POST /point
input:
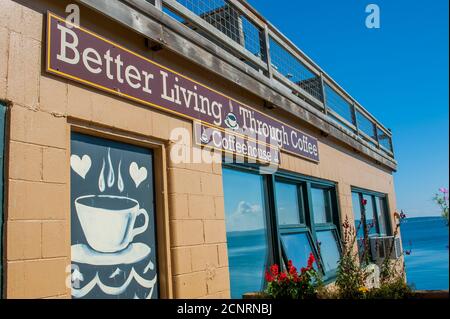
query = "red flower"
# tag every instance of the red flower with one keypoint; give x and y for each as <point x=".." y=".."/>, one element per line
<point x="364" y="202"/>
<point x="269" y="277"/>
<point x="289" y="264"/>
<point x="293" y="271"/>
<point x="274" y="270"/>
<point x="283" y="277"/>
<point x="303" y="270"/>
<point x="311" y="260"/>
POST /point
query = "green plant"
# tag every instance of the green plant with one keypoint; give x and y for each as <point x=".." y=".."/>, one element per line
<point x="391" y="271"/>
<point x="351" y="276"/>
<point x="352" y="271"/>
<point x="442" y="200"/>
<point x="291" y="284"/>
<point x="392" y="274"/>
<point x="394" y="289"/>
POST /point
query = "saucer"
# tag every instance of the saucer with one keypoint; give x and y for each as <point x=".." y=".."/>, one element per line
<point x="233" y="126"/>
<point x="204" y="139"/>
<point x="134" y="253"/>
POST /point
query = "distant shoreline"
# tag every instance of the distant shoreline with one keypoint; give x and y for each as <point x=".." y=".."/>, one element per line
<point x="433" y="216"/>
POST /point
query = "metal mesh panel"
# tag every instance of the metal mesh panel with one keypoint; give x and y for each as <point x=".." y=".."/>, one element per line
<point x="289" y="66"/>
<point x="338" y="104"/>
<point x="342" y="123"/>
<point x="253" y="38"/>
<point x="228" y="20"/>
<point x="384" y="140"/>
<point x="365" y="125"/>
<point x="224" y="46"/>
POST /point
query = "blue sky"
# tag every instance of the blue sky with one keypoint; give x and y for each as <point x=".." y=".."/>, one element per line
<point x="398" y="72"/>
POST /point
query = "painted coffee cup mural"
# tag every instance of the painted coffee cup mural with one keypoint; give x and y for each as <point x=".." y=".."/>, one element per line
<point x="112" y="220"/>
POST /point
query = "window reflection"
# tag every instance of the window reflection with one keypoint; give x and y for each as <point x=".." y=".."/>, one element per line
<point x="329" y="250"/>
<point x="319" y="198"/>
<point x="287" y="204"/>
<point x="297" y="248"/>
<point x="381" y="213"/>
<point x="356" y="203"/>
<point x="370" y="215"/>
<point x="246" y="231"/>
<point x="375" y="213"/>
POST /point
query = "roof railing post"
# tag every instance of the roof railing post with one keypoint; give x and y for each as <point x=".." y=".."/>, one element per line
<point x="158" y="4"/>
<point x="355" y="120"/>
<point x="266" y="47"/>
<point x="324" y="94"/>
<point x="376" y="136"/>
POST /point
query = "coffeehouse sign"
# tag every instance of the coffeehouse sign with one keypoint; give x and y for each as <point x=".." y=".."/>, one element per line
<point x="219" y="121"/>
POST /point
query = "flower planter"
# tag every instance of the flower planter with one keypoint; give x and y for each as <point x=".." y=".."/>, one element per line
<point x="431" y="294"/>
<point x="418" y="294"/>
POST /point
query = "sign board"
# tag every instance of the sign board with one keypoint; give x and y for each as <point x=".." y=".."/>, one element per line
<point x="81" y="55"/>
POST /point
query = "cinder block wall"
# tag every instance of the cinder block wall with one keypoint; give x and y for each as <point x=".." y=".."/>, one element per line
<point x="198" y="235"/>
<point x="38" y="187"/>
<point x="43" y="111"/>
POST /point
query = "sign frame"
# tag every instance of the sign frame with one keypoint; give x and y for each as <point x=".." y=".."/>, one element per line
<point x="310" y="146"/>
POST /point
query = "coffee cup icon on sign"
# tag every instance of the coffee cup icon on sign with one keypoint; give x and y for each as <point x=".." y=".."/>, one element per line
<point x="231" y="121"/>
<point x="108" y="222"/>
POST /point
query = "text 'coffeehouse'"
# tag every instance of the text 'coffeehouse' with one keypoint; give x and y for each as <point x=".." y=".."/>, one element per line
<point x="174" y="149"/>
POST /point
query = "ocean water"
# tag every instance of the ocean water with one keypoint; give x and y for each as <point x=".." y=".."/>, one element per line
<point x="427" y="265"/>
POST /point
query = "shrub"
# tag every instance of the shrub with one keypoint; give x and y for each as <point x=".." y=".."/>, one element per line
<point x="351" y="276"/>
<point x="352" y="272"/>
<point x="395" y="289"/>
<point x="441" y="199"/>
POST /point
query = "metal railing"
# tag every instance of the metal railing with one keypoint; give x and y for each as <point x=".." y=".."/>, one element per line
<point x="236" y="27"/>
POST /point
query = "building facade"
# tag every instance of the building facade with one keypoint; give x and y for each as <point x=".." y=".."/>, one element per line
<point x="105" y="196"/>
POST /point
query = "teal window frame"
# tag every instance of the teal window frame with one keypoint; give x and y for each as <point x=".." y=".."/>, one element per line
<point x="3" y="119"/>
<point x="300" y="200"/>
<point x="304" y="184"/>
<point x="387" y="215"/>
<point x="300" y="230"/>
<point x="271" y="242"/>
<point x="333" y="219"/>
<point x="361" y="192"/>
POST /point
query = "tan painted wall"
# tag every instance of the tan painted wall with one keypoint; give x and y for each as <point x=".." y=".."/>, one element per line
<point x="190" y="209"/>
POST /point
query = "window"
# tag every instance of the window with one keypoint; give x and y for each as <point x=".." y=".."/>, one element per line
<point x="370" y="213"/>
<point x="380" y="206"/>
<point x="326" y="231"/>
<point x="288" y="208"/>
<point x="295" y="238"/>
<point x="297" y="248"/>
<point x="356" y="203"/>
<point x="329" y="249"/>
<point x="246" y="227"/>
<point x="371" y="218"/>
<point x="321" y="205"/>
<point x="274" y="219"/>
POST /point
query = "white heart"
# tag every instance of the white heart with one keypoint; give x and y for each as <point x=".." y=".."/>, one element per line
<point x="81" y="166"/>
<point x="137" y="174"/>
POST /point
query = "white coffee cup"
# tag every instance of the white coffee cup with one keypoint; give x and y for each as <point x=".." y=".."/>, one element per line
<point x="108" y="221"/>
